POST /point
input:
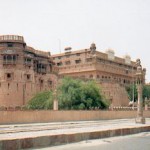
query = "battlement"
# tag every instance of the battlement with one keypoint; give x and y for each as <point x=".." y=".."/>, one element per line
<point x="11" y="38"/>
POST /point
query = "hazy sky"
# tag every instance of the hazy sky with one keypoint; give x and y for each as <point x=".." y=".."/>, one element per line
<point x="122" y="25"/>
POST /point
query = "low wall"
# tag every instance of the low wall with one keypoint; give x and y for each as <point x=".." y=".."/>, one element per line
<point x="7" y="117"/>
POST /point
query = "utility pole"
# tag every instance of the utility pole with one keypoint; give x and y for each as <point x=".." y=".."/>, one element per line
<point x="59" y="40"/>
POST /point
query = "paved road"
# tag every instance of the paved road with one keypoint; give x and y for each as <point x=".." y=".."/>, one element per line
<point x="132" y="142"/>
<point x="20" y="131"/>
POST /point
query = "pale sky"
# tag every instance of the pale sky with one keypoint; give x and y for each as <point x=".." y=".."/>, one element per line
<point x="122" y="25"/>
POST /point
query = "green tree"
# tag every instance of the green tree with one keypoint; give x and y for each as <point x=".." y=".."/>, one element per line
<point x="71" y="94"/>
<point x="146" y="92"/>
<point x="132" y="92"/>
<point x="78" y="94"/>
<point x="43" y="100"/>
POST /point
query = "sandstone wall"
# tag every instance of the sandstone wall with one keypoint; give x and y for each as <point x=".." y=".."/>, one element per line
<point x="7" y="117"/>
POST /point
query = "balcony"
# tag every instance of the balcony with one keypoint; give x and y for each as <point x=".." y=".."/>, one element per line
<point x="28" y="63"/>
<point x="41" y="70"/>
<point x="9" y="62"/>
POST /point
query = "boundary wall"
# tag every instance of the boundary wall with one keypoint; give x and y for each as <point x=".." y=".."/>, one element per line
<point x="39" y="116"/>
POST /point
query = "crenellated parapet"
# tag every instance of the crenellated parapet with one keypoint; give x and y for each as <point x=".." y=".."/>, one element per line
<point x="11" y="38"/>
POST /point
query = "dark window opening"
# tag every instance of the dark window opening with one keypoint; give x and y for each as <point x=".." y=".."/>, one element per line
<point x="41" y="84"/>
<point x="8" y="76"/>
<point x="59" y="64"/>
<point x="50" y="83"/>
<point x="9" y="44"/>
<point x="9" y="59"/>
<point x="17" y="86"/>
<point x="50" y="67"/>
<point x="28" y="76"/>
<point x="28" y="61"/>
<point x="127" y="71"/>
<point x="77" y="61"/>
<point x="41" y="68"/>
<point x="124" y="81"/>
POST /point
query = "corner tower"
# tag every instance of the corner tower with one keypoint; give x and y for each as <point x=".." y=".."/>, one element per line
<point x="24" y="71"/>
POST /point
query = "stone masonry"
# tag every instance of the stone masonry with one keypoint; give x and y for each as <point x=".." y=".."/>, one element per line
<point x="24" y="71"/>
<point x="112" y="73"/>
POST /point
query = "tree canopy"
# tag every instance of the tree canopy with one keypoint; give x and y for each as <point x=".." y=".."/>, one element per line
<point x="78" y="94"/>
<point x="132" y="92"/>
<point x="132" y="89"/>
<point x="71" y="94"/>
<point x="42" y="100"/>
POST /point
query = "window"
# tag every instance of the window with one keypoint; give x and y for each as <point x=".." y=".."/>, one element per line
<point x="50" y="67"/>
<point x="9" y="59"/>
<point x="8" y="85"/>
<point x="8" y="75"/>
<point x="88" y="59"/>
<point x="127" y="71"/>
<point x="59" y="64"/>
<point x="41" y="81"/>
<point x="124" y="81"/>
<point x="28" y="76"/>
<point x="78" y="54"/>
<point x="27" y="61"/>
<point x="50" y="83"/>
<point x="9" y="44"/>
<point x="78" y="61"/>
<point x="68" y="62"/>
<point x="41" y="68"/>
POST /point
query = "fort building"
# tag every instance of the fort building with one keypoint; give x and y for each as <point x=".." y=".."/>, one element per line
<point x="110" y="72"/>
<point x="25" y="71"/>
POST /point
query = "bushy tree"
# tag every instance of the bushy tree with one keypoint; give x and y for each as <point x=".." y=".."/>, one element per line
<point x="130" y="90"/>
<point x="43" y="100"/>
<point x="146" y="91"/>
<point x="71" y="94"/>
<point x="78" y="94"/>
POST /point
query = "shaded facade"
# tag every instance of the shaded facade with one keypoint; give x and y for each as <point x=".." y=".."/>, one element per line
<point x="111" y="73"/>
<point x="24" y="71"/>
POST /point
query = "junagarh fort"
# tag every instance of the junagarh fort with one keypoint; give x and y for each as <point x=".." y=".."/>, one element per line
<point x="25" y="71"/>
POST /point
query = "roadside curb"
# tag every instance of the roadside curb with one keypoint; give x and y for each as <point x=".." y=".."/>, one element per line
<point x="53" y="140"/>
